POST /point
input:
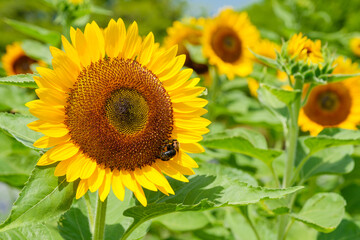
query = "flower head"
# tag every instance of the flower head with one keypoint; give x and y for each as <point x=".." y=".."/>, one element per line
<point x="226" y="40"/>
<point x="355" y="46"/>
<point x="333" y="104"/>
<point x="305" y="49"/>
<point x="15" y="61"/>
<point x="118" y="112"/>
<point x="266" y="48"/>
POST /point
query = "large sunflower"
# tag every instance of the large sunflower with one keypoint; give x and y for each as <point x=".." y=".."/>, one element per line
<point x="226" y="40"/>
<point x="188" y="31"/>
<point x="334" y="104"/>
<point x="15" y="61"/>
<point x="305" y="49"/>
<point x="115" y="109"/>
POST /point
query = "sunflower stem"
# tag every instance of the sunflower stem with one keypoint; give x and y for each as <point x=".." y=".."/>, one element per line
<point x="291" y="145"/>
<point x="90" y="211"/>
<point x="100" y="219"/>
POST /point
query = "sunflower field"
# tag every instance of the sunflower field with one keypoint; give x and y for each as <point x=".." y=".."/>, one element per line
<point x="160" y="119"/>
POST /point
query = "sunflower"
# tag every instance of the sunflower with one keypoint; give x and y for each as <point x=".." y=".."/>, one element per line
<point x="15" y="61"/>
<point x="266" y="48"/>
<point x="305" y="49"/>
<point x="253" y="86"/>
<point x="118" y="112"/>
<point x="226" y="40"/>
<point x="355" y="46"/>
<point x="187" y="31"/>
<point x="335" y="104"/>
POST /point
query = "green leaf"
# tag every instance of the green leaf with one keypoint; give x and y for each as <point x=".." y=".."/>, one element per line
<point x="13" y="99"/>
<point x="196" y="53"/>
<point x="20" y="80"/>
<point x="331" y="137"/>
<point x="351" y="193"/>
<point x="340" y="77"/>
<point x="183" y="221"/>
<point x="268" y="61"/>
<point x="15" y="124"/>
<point x="347" y="230"/>
<point x="40" y="231"/>
<point x="238" y="225"/>
<point x="37" y="50"/>
<point x="243" y="141"/>
<point x="283" y="95"/>
<point x="323" y="212"/>
<point x="336" y="160"/>
<point x="201" y="193"/>
<point x="44" y="197"/>
<point x="74" y="224"/>
<point x="41" y="34"/>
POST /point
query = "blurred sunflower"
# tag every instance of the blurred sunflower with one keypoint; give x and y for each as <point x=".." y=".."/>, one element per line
<point x="305" y="49"/>
<point x="15" y="61"/>
<point x="266" y="48"/>
<point x="355" y="46"/>
<point x="115" y="109"/>
<point x="335" y="104"/>
<point x="253" y="86"/>
<point x="188" y="31"/>
<point x="226" y="40"/>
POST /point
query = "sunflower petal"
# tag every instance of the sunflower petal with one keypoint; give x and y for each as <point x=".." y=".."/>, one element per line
<point x="170" y="171"/>
<point x="143" y="181"/>
<point x="104" y="189"/>
<point x="118" y="186"/>
<point x="82" y="188"/>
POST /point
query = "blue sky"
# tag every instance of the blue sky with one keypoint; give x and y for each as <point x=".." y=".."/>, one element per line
<point x="197" y="7"/>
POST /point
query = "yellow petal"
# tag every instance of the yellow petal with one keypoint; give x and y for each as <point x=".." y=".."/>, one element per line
<point x="128" y="180"/>
<point x="104" y="189"/>
<point x="82" y="48"/>
<point x="146" y="49"/>
<point x="46" y="142"/>
<point x="182" y="169"/>
<point x="154" y="176"/>
<point x="51" y="96"/>
<point x="192" y="123"/>
<point x="45" y="160"/>
<point x="64" y="151"/>
<point x="48" y="114"/>
<point x="143" y="181"/>
<point x="74" y="168"/>
<point x="112" y="34"/>
<point x="177" y="80"/>
<point x="140" y="195"/>
<point x="192" y="147"/>
<point x="172" y="69"/>
<point x="88" y="168"/>
<point x="186" y="160"/>
<point x="170" y="171"/>
<point x="70" y="50"/>
<point x="35" y="125"/>
<point x="131" y="41"/>
<point x="93" y="41"/>
<point x="49" y="79"/>
<point x="61" y="168"/>
<point x="54" y="130"/>
<point x="96" y="179"/>
<point x="82" y="188"/>
<point x="117" y="185"/>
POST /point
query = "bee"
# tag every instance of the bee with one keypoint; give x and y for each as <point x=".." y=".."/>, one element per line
<point x="169" y="149"/>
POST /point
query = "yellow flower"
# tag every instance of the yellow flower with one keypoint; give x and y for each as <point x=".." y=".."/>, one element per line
<point x="112" y="108"/>
<point x="188" y="31"/>
<point x="15" y="61"/>
<point x="335" y="104"/>
<point x="266" y="48"/>
<point x="355" y="46"/>
<point x="75" y="2"/>
<point x="253" y="86"/>
<point x="226" y="40"/>
<point x="305" y="49"/>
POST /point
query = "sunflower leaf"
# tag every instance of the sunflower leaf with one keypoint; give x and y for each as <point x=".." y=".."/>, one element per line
<point x="39" y="33"/>
<point x="44" y="197"/>
<point x="283" y="95"/>
<point x="323" y="211"/>
<point x="331" y="137"/>
<point x="243" y="141"/>
<point x="340" y="77"/>
<point x="204" y="192"/>
<point x="347" y="230"/>
<point x="15" y="124"/>
<point x="27" y="233"/>
<point x="20" y="80"/>
<point x="37" y="50"/>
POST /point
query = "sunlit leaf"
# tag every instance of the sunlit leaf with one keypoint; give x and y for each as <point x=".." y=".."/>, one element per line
<point x="44" y="197"/>
<point x="20" y="80"/>
<point x="283" y="95"/>
<point x="32" y="232"/>
<point x="267" y="61"/>
<point x="323" y="211"/>
<point x="15" y="124"/>
<point x="183" y="221"/>
<point x="39" y="33"/>
<point x="243" y="141"/>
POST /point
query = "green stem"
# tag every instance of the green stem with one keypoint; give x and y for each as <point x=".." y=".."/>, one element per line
<point x="90" y="212"/>
<point x="245" y="212"/>
<point x="213" y="93"/>
<point x="100" y="220"/>
<point x="291" y="145"/>
<point x="298" y="169"/>
<point x="274" y="176"/>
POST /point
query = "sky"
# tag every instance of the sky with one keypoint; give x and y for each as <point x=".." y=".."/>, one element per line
<point x="196" y="8"/>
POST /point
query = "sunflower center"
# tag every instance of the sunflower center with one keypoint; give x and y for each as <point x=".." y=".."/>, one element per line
<point x="22" y="65"/>
<point x="119" y="114"/>
<point x="329" y="105"/>
<point x="226" y="44"/>
<point x="127" y="110"/>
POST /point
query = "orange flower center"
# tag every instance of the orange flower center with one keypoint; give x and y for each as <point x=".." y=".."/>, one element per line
<point x="22" y="65"/>
<point x="329" y="105"/>
<point x="226" y="44"/>
<point x="119" y="114"/>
